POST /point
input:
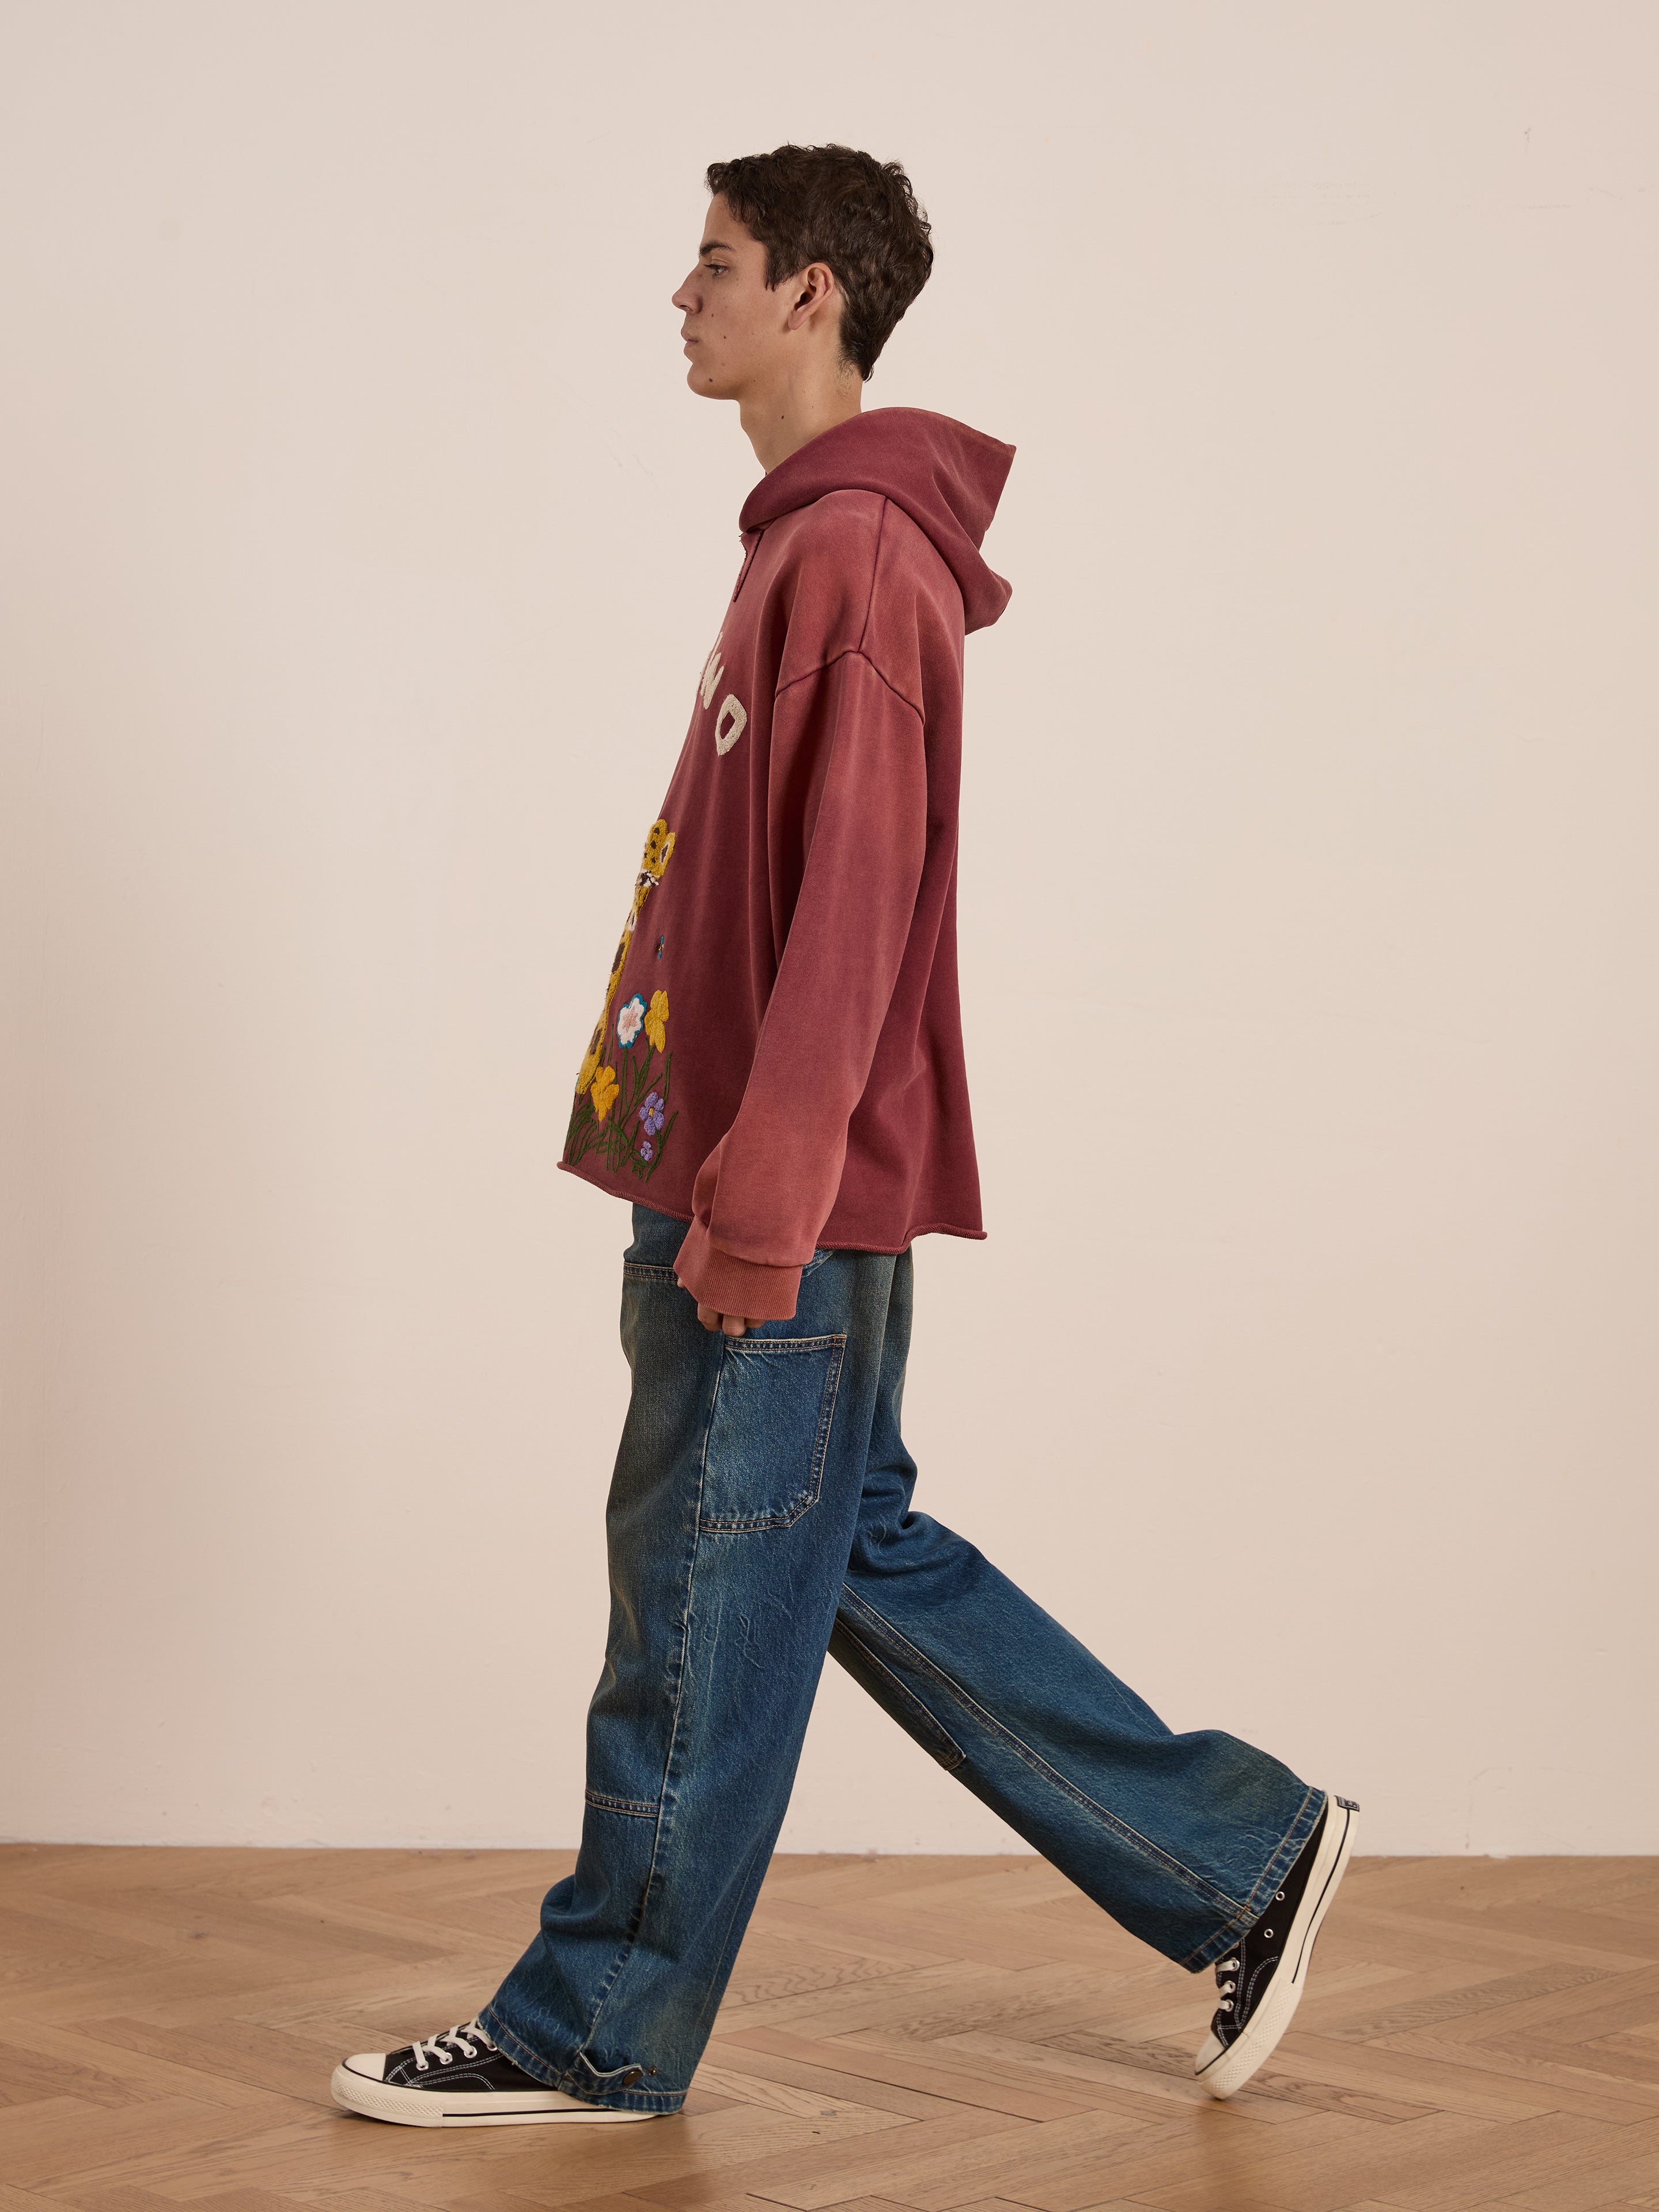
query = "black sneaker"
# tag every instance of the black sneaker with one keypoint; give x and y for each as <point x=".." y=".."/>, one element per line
<point x="457" y="2080"/>
<point x="1261" y="1978"/>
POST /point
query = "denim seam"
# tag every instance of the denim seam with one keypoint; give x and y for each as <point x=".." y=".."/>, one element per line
<point x="1034" y="1759"/>
<point x="771" y="1347"/>
<point x="912" y="1700"/>
<point x="665" y="1808"/>
<point x="663" y="1817"/>
<point x="780" y="1347"/>
<point x="650" y="2099"/>
<point x="644" y="1271"/>
<point x="608" y="1804"/>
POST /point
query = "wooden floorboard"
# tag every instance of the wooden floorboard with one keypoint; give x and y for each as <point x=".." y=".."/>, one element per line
<point x="900" y="2035"/>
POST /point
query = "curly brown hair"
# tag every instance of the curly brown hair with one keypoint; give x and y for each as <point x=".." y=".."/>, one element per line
<point x="834" y="205"/>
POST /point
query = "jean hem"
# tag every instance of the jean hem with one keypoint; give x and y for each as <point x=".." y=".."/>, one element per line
<point x="575" y="2078"/>
<point x="1285" y="1856"/>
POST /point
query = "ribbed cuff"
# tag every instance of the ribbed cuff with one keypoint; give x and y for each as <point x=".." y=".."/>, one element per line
<point x="746" y="1287"/>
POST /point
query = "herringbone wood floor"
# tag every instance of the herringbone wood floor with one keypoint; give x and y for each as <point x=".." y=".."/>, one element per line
<point x="917" y="2033"/>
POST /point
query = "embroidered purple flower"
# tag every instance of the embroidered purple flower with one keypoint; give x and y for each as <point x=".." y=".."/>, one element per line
<point x="647" y="1149"/>
<point x="628" y="1022"/>
<point x="652" y="1112"/>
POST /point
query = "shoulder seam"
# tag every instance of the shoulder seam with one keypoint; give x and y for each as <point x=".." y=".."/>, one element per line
<point x="851" y="653"/>
<point x="875" y="564"/>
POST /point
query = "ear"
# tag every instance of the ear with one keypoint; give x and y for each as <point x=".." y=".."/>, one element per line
<point x="810" y="291"/>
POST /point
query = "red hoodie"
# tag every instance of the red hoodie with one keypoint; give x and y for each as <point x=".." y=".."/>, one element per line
<point x="779" y="1059"/>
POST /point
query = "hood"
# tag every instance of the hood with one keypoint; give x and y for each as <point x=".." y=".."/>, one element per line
<point x="946" y="477"/>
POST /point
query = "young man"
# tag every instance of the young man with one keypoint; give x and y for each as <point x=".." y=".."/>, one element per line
<point x="776" y="1082"/>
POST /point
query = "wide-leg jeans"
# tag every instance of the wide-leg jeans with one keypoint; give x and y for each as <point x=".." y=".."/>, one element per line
<point x="759" y="1516"/>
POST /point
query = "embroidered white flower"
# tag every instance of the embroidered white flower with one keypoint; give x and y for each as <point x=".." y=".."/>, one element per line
<point x="628" y="1022"/>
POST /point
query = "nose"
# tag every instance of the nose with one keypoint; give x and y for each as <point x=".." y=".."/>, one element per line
<point x="683" y="299"/>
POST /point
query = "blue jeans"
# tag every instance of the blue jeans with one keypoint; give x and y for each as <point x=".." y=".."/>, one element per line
<point x="760" y="1514"/>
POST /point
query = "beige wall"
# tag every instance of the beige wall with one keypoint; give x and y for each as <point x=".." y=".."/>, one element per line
<point x="361" y="548"/>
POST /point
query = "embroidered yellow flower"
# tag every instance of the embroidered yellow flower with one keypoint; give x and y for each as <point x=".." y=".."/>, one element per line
<point x="604" y="1093"/>
<point x="590" y="1063"/>
<point x="656" y="1016"/>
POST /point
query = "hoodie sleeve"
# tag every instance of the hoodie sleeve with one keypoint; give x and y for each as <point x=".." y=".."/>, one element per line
<point x="765" y="1191"/>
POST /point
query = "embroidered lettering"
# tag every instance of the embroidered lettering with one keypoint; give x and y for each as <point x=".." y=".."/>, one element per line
<point x="712" y="669"/>
<point x="727" y="733"/>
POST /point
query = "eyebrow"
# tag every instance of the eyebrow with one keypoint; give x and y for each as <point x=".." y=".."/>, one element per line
<point x="713" y="246"/>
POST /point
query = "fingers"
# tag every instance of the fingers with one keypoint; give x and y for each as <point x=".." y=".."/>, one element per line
<point x="728" y="1324"/>
<point x="711" y="1317"/>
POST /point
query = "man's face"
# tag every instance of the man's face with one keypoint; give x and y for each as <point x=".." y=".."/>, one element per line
<point x="734" y="326"/>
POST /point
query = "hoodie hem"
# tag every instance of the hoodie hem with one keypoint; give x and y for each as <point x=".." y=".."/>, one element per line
<point x="841" y="1245"/>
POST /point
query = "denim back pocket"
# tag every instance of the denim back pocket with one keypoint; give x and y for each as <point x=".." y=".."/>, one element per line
<point x="769" y="1431"/>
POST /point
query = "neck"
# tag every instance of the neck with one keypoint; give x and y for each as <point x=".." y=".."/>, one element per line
<point x="779" y="419"/>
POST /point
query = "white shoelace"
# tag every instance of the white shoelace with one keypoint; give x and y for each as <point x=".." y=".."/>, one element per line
<point x="1234" y="1965"/>
<point x="458" y="2036"/>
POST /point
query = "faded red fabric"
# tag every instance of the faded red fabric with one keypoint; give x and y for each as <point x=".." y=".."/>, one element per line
<point x="778" y="1060"/>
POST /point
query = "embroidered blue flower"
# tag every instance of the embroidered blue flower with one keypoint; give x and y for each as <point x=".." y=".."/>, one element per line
<point x="652" y="1112"/>
<point x="630" y="1020"/>
<point x="647" y="1149"/>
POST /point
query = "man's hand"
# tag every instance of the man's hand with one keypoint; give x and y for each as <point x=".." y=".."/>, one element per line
<point x="711" y="1317"/>
<point x="729" y="1324"/>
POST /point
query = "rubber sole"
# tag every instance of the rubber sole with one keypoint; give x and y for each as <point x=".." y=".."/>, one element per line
<point x="431" y="2108"/>
<point x="1234" y="2062"/>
